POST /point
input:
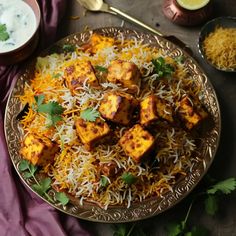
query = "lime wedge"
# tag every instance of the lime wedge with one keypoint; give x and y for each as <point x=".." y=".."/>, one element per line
<point x="192" y="4"/>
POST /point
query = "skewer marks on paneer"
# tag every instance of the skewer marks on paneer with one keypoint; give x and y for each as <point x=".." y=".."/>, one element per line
<point x="137" y="143"/>
<point x="39" y="151"/>
<point x="79" y="72"/>
<point x="91" y="133"/>
<point x="125" y="73"/>
<point x="191" y="116"/>
<point x="118" y="107"/>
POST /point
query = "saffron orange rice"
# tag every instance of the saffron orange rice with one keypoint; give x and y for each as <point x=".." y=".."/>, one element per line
<point x="75" y="169"/>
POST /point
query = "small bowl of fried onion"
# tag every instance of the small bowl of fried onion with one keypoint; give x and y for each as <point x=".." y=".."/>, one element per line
<point x="217" y="43"/>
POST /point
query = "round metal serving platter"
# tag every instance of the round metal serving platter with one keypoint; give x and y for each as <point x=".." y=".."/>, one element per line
<point x="149" y="207"/>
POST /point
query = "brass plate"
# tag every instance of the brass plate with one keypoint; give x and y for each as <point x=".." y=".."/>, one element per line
<point x="149" y="207"/>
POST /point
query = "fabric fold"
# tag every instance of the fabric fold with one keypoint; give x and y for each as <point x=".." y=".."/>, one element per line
<point x="22" y="212"/>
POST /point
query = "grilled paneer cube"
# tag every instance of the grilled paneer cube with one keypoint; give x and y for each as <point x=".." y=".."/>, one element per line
<point x="39" y="151"/>
<point x="125" y="73"/>
<point x="91" y="133"/>
<point x="79" y="72"/>
<point x="190" y="115"/>
<point x="118" y="107"/>
<point x="137" y="143"/>
<point x="98" y="42"/>
<point x="152" y="108"/>
<point x="164" y="110"/>
<point x="148" y="111"/>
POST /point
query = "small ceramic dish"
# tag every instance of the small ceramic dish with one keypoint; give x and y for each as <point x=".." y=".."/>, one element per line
<point x="26" y="47"/>
<point x="209" y="27"/>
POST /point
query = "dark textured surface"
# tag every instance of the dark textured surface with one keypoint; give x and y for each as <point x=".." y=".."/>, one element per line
<point x="224" y="166"/>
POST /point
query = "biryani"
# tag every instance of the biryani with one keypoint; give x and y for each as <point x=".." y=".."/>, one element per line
<point x="220" y="47"/>
<point x="112" y="121"/>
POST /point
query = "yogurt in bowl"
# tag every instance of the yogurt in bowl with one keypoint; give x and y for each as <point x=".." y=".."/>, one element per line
<point x="19" y="30"/>
<point x="17" y="24"/>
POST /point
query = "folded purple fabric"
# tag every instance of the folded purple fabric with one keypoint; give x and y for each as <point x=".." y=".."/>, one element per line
<point x="22" y="212"/>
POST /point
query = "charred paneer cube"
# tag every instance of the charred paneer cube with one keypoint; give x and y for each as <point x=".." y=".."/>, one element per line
<point x="190" y="115"/>
<point x="39" y="151"/>
<point x="118" y="107"/>
<point x="98" y="42"/>
<point x="152" y="108"/>
<point x="91" y="133"/>
<point x="79" y="72"/>
<point x="164" y="110"/>
<point x="125" y="73"/>
<point x="148" y="111"/>
<point x="137" y="143"/>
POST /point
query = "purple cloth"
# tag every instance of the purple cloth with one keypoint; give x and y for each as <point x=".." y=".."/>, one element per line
<point x="21" y="211"/>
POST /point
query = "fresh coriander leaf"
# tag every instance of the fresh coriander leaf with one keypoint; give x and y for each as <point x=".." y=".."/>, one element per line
<point x="52" y="120"/>
<point x="32" y="168"/>
<point x="38" y="188"/>
<point x="120" y="230"/>
<point x="3" y="33"/>
<point x="69" y="47"/>
<point x="197" y="231"/>
<point x="225" y="186"/>
<point x="28" y="168"/>
<point x="62" y="198"/>
<point x="56" y="76"/>
<point x="46" y="184"/>
<point x="89" y="114"/>
<point x="128" y="178"/>
<point x="42" y="187"/>
<point x="51" y="108"/>
<point x="27" y="175"/>
<point x="180" y="59"/>
<point x="104" y="181"/>
<point x="101" y="68"/>
<point x="174" y="229"/>
<point x="39" y="99"/>
<point x="161" y="68"/>
<point x="211" y="205"/>
<point x="24" y="165"/>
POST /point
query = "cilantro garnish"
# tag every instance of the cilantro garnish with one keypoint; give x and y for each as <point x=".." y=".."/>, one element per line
<point x="225" y="186"/>
<point x="104" y="181"/>
<point x="101" y="68"/>
<point x="161" y="68"/>
<point x="62" y="198"/>
<point x="52" y="109"/>
<point x="69" y="47"/>
<point x="28" y="170"/>
<point x="89" y="114"/>
<point x="39" y="99"/>
<point x="3" y="33"/>
<point x="180" y="59"/>
<point x="41" y="187"/>
<point x="211" y="207"/>
<point x="128" y="178"/>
